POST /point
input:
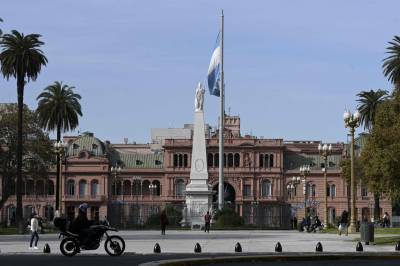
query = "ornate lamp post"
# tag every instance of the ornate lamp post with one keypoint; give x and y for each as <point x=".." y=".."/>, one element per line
<point x="59" y="148"/>
<point x="352" y="121"/>
<point x="325" y="150"/>
<point x="153" y="188"/>
<point x="115" y="171"/>
<point x="304" y="172"/>
<point x="292" y="186"/>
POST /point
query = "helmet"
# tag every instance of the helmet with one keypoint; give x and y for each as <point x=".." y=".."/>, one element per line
<point x="83" y="207"/>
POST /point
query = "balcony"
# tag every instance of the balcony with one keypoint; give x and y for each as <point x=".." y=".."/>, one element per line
<point x="87" y="198"/>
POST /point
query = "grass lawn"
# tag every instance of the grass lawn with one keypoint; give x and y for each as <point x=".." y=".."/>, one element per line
<point x="8" y="230"/>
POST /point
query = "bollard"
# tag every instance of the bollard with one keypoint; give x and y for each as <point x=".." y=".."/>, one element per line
<point x="238" y="247"/>
<point x="359" y="247"/>
<point x="397" y="247"/>
<point x="319" y="248"/>
<point x="46" y="248"/>
<point x="197" y="248"/>
<point x="278" y="247"/>
<point x="157" y="248"/>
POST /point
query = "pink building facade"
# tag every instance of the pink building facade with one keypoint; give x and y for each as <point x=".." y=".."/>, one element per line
<point x="258" y="173"/>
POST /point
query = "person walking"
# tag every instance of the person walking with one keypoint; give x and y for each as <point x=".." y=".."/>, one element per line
<point x="34" y="231"/>
<point x="163" y="221"/>
<point x="343" y="222"/>
<point x="207" y="221"/>
<point x="386" y="220"/>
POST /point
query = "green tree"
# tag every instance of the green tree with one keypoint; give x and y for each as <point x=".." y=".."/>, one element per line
<point x="0" y="29"/>
<point x="37" y="152"/>
<point x="381" y="154"/>
<point x="21" y="59"/>
<point x="391" y="64"/>
<point x="58" y="109"/>
<point x="368" y="104"/>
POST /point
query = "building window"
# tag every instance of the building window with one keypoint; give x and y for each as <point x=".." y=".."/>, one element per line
<point x="30" y="187"/>
<point x="364" y="190"/>
<point x="136" y="188"/>
<point x="271" y="160"/>
<point x="237" y="160"/>
<point x="94" y="213"/>
<point x="332" y="215"/>
<point x="48" y="212"/>
<point x="145" y="187"/>
<point x="179" y="188"/>
<point x="331" y="191"/>
<point x="216" y="160"/>
<point x="70" y="187"/>
<point x="224" y="159"/>
<point x="261" y="160"/>
<point x="40" y="187"/>
<point x="313" y="189"/>
<point x="175" y="160"/>
<point x="82" y="188"/>
<point x="266" y="188"/>
<point x="180" y="160"/>
<point x="230" y="160"/>
<point x="94" y="187"/>
<point x="50" y="187"/>
<point x="139" y="162"/>
<point x="185" y="160"/>
<point x="246" y="190"/>
<point x="127" y="187"/>
<point x="210" y="158"/>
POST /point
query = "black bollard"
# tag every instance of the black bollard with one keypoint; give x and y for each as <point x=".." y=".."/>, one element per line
<point x="238" y="247"/>
<point x="197" y="248"/>
<point x="319" y="248"/>
<point x="46" y="248"/>
<point x="278" y="247"/>
<point x="359" y="247"/>
<point x="397" y="247"/>
<point x="157" y="248"/>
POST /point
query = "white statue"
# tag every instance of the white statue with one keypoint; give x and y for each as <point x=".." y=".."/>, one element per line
<point x="199" y="99"/>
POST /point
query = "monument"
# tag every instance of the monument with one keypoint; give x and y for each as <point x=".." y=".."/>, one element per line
<point x="198" y="191"/>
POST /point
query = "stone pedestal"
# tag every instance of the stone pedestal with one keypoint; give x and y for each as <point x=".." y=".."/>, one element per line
<point x="198" y="191"/>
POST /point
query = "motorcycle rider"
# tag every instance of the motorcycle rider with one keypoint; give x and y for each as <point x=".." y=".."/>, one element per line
<point x="81" y="225"/>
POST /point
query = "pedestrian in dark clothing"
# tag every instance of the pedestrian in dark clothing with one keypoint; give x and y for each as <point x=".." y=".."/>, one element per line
<point x="343" y="222"/>
<point x="163" y="221"/>
<point x="81" y="225"/>
<point x="207" y="221"/>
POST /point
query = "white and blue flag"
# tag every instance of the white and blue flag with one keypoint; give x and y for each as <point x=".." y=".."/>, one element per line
<point x="214" y="70"/>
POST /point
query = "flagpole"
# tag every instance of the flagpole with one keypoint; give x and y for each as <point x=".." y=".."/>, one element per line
<point x="221" y="123"/>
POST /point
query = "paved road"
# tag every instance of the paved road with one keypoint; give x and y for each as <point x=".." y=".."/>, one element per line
<point x="317" y="263"/>
<point x="142" y="242"/>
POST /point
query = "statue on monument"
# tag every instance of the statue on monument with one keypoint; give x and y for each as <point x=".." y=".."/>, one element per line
<point x="199" y="99"/>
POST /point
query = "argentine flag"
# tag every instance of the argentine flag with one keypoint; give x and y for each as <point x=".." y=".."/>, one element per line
<point x="214" y="70"/>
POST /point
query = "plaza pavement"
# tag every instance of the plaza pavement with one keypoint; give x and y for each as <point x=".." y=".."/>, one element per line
<point x="260" y="241"/>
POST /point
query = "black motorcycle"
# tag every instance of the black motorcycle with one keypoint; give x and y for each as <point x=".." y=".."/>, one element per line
<point x="73" y="243"/>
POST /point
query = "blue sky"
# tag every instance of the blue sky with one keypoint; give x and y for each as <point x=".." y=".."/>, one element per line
<point x="291" y="67"/>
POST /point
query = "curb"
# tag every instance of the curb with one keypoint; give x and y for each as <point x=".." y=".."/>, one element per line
<point x="276" y="257"/>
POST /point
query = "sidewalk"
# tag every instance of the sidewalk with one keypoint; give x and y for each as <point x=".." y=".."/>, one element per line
<point x="259" y="241"/>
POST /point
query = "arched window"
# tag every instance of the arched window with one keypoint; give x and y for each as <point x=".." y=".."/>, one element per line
<point x="157" y="191"/>
<point x="224" y="159"/>
<point x="145" y="187"/>
<point x="127" y="187"/>
<point x="261" y="160"/>
<point x="308" y="189"/>
<point x="94" y="188"/>
<point x="271" y="160"/>
<point x="179" y="187"/>
<point x="30" y="187"/>
<point x="210" y="158"/>
<point x="175" y="160"/>
<point x="333" y="191"/>
<point x="48" y="212"/>
<point x="266" y="188"/>
<point x="50" y="187"/>
<point x="266" y="160"/>
<point x="70" y="187"/>
<point x="230" y="160"/>
<point x="40" y="187"/>
<point x="136" y="187"/>
<point x="82" y="188"/>
<point x="185" y="160"/>
<point x="364" y="190"/>
<point x="216" y="160"/>
<point x="180" y="158"/>
<point x="116" y="188"/>
<point x="237" y="160"/>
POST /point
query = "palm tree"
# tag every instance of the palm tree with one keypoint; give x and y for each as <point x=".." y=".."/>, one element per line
<point x="22" y="59"/>
<point x="368" y="104"/>
<point x="391" y="64"/>
<point x="0" y="29"/>
<point x="58" y="109"/>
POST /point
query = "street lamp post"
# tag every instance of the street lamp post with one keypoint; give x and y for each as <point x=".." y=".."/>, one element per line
<point x="292" y="186"/>
<point x="304" y="172"/>
<point x="325" y="150"/>
<point x="352" y="121"/>
<point x="59" y="148"/>
<point x="115" y="171"/>
<point x="152" y="188"/>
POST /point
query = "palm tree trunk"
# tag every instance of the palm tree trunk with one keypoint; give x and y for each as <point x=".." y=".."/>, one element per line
<point x="20" y="89"/>
<point x="58" y="171"/>
<point x="377" y="214"/>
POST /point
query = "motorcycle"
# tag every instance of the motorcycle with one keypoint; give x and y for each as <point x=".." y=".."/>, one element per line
<point x="71" y="243"/>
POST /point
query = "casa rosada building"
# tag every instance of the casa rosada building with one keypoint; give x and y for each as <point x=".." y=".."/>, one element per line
<point x="258" y="173"/>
